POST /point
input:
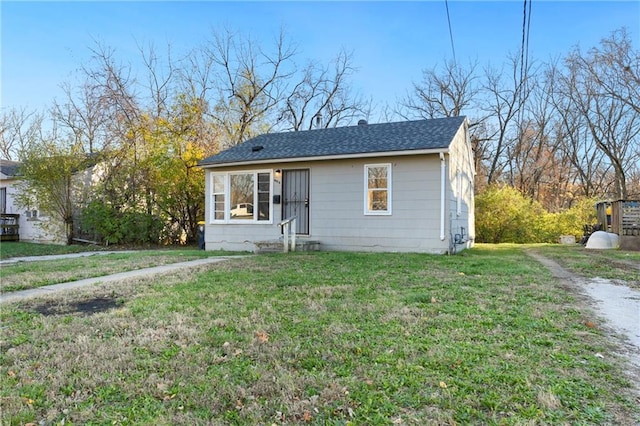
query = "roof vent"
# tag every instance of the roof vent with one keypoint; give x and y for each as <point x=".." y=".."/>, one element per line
<point x="257" y="148"/>
<point x="362" y="122"/>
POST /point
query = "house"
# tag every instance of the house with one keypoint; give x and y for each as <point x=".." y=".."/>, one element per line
<point x="9" y="219"/>
<point x="396" y="187"/>
<point x="18" y="223"/>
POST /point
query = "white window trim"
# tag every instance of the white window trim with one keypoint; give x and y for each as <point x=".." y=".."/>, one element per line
<point x="227" y="198"/>
<point x="212" y="193"/>
<point x="387" y="212"/>
<point x="3" y="200"/>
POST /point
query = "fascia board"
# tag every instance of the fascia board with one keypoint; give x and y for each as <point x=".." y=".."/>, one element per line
<point x="329" y="157"/>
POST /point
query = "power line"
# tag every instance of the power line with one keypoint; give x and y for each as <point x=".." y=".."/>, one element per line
<point x="526" y="55"/>
<point x="524" y="32"/>
<point x="524" y="66"/>
<point x="453" y="49"/>
<point x="524" y="52"/>
<point x="526" y="26"/>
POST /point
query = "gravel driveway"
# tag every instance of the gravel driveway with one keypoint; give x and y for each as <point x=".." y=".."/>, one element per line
<point x="617" y="304"/>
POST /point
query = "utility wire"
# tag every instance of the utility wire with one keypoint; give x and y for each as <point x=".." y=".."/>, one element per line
<point x="522" y="49"/>
<point x="524" y="65"/>
<point x="524" y="52"/>
<point x="526" y="55"/>
<point x="453" y="49"/>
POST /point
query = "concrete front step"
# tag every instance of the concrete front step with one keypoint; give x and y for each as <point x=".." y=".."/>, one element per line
<point x="277" y="246"/>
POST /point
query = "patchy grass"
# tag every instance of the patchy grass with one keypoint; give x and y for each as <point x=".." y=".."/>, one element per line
<point x="486" y="337"/>
<point x="22" y="249"/>
<point x="27" y="275"/>
<point x="612" y="264"/>
<point x="10" y="249"/>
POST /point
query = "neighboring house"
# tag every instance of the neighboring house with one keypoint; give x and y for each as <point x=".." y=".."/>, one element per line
<point x="30" y="220"/>
<point x="396" y="187"/>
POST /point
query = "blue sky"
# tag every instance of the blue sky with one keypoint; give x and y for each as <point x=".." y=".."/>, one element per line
<point x="44" y="43"/>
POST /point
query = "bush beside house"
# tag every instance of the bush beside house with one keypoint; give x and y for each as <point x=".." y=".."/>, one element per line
<point x="504" y="215"/>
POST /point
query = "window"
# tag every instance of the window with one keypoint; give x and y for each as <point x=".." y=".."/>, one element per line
<point x="264" y="195"/>
<point x="241" y="189"/>
<point x="242" y="197"/>
<point x="3" y="200"/>
<point x="217" y="197"/>
<point x="377" y="189"/>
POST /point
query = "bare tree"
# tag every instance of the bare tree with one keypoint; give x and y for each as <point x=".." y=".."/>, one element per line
<point x="446" y="92"/>
<point x="633" y="187"/>
<point x="588" y="167"/>
<point x="505" y="98"/>
<point x="613" y="122"/>
<point x="615" y="68"/>
<point x="114" y="86"/>
<point x="323" y="97"/>
<point x="534" y="159"/>
<point x="452" y="90"/>
<point x="84" y="115"/>
<point x="480" y="138"/>
<point x="19" y="130"/>
<point x="161" y="75"/>
<point x="250" y="84"/>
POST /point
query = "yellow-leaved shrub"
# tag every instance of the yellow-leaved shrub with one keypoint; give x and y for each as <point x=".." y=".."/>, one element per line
<point x="504" y="215"/>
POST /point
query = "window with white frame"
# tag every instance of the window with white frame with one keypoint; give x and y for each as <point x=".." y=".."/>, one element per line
<point x="3" y="200"/>
<point x="264" y="196"/>
<point x="377" y="189"/>
<point x="241" y="197"/>
<point x="217" y="197"/>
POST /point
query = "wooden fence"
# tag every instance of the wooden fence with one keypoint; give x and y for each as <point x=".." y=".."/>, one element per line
<point x="9" y="227"/>
<point x="621" y="217"/>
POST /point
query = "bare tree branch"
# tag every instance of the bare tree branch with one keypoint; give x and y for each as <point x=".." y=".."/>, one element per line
<point x="19" y="130"/>
<point x="323" y="97"/>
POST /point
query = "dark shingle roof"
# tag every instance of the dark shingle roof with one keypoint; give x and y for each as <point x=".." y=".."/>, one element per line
<point x="9" y="168"/>
<point x="343" y="141"/>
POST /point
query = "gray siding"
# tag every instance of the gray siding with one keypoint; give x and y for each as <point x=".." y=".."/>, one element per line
<point x="461" y="176"/>
<point x="336" y="202"/>
<point x="337" y="207"/>
<point x="239" y="236"/>
<point x="337" y="216"/>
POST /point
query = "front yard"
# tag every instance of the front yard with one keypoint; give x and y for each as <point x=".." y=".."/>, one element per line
<point x="485" y="337"/>
<point x="27" y="275"/>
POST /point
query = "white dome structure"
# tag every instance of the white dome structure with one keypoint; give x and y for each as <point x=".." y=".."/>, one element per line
<point x="601" y="240"/>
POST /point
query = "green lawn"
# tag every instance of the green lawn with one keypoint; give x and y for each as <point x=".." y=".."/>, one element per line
<point x="612" y="264"/>
<point x="485" y="337"/>
<point x="27" y="275"/>
<point x="10" y="249"/>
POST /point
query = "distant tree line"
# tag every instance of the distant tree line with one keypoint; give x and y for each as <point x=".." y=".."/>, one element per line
<point x="555" y="131"/>
<point x="558" y="133"/>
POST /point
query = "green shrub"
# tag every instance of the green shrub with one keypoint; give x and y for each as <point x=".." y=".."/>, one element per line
<point x="120" y="227"/>
<point x="568" y="222"/>
<point x="504" y="215"/>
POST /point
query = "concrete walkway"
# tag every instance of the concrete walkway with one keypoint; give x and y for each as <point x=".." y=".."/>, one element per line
<point x="145" y="272"/>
